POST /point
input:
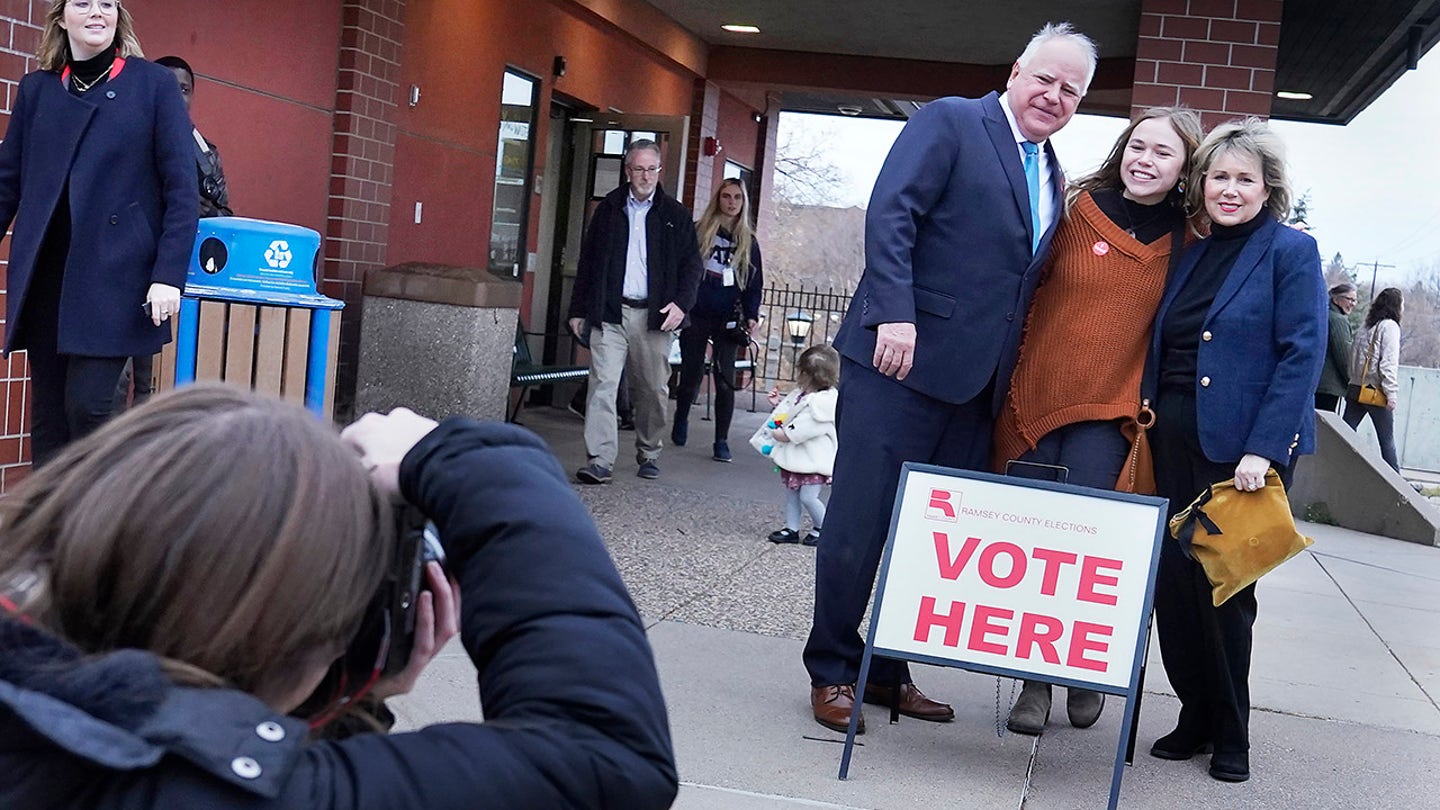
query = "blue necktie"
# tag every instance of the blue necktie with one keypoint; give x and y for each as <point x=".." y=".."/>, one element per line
<point x="1032" y="179"/>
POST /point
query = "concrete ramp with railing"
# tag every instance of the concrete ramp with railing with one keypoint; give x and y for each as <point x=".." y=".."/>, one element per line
<point x="1346" y="483"/>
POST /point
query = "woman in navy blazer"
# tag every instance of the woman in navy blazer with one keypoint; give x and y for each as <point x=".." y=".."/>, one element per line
<point x="97" y="175"/>
<point x="1238" y="346"/>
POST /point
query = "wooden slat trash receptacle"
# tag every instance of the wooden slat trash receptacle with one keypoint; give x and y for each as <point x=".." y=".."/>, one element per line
<point x="252" y="316"/>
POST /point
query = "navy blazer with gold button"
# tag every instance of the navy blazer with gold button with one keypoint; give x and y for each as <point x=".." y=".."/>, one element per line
<point x="1256" y="372"/>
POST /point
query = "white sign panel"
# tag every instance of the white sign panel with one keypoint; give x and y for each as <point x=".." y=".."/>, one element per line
<point x="1021" y="579"/>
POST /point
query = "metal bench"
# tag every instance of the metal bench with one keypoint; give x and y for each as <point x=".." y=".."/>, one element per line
<point x="525" y="373"/>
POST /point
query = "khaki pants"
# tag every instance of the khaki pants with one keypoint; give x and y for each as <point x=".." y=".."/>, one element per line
<point x="629" y="346"/>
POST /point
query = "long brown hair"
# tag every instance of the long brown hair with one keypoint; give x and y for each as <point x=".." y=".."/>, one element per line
<point x="229" y="533"/>
<point x="1385" y="307"/>
<point x="54" y="48"/>
<point x="740" y="232"/>
<point x="1186" y="124"/>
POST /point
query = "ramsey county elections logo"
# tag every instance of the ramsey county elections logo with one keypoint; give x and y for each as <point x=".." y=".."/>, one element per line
<point x="278" y="254"/>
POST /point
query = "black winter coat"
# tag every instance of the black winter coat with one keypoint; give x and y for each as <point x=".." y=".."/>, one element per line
<point x="574" y="714"/>
<point x="672" y="255"/>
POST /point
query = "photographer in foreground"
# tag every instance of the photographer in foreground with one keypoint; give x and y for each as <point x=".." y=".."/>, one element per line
<point x="178" y="582"/>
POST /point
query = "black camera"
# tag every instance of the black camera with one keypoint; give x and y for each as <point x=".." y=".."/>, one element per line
<point x="382" y="645"/>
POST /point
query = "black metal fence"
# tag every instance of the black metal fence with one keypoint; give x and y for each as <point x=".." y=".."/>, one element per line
<point x="791" y="320"/>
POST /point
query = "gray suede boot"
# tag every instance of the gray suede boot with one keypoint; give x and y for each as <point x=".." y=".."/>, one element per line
<point x="1031" y="709"/>
<point x="1083" y="706"/>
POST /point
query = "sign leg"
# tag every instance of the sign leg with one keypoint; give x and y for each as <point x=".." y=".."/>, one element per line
<point x="1139" y="694"/>
<point x="855" y="712"/>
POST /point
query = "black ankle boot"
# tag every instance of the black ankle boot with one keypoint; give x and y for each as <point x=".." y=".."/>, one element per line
<point x="1180" y="744"/>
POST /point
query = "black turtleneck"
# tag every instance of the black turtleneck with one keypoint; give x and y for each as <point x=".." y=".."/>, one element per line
<point x="1180" y="332"/>
<point x="1145" y="222"/>
<point x="95" y="69"/>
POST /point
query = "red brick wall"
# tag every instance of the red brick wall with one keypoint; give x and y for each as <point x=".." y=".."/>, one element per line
<point x="1215" y="56"/>
<point x="19" y="37"/>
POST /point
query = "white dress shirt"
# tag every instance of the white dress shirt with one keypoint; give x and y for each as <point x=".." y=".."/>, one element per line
<point x="1047" y="183"/>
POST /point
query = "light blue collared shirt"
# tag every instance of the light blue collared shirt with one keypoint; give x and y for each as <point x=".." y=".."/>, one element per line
<point x="637" y="269"/>
<point x="1047" y="182"/>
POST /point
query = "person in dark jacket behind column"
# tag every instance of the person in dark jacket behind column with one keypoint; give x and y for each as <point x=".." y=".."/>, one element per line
<point x="161" y="616"/>
<point x="214" y="202"/>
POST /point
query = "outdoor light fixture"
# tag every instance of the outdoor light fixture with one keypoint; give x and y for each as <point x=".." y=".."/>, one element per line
<point x="741" y="29"/>
<point x="797" y="325"/>
<point x="558" y="66"/>
<point x="850" y="109"/>
<point x="1293" y="95"/>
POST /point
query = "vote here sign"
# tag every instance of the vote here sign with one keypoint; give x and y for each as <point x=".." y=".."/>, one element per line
<point x="1018" y="577"/>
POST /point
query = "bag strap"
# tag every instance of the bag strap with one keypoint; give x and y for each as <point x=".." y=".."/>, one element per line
<point x="1370" y="352"/>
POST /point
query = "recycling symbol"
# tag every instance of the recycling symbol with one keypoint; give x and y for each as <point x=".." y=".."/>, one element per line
<point x="278" y="254"/>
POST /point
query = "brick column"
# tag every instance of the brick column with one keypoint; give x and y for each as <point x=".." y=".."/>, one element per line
<point x="1214" y="56"/>
<point x="20" y="25"/>
<point x="700" y="168"/>
<point x="362" y="166"/>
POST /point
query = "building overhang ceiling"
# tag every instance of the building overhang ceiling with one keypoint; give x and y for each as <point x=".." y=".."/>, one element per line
<point x="834" y="56"/>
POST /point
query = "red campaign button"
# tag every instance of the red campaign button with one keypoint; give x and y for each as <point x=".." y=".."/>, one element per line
<point x="1100" y="248"/>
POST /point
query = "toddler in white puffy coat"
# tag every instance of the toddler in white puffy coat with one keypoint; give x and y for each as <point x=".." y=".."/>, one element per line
<point x="800" y="438"/>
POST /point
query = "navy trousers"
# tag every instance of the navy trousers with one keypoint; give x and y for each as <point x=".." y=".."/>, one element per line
<point x="881" y="425"/>
<point x="1093" y="453"/>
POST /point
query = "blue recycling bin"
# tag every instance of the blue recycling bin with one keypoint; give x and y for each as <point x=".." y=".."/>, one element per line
<point x="242" y="266"/>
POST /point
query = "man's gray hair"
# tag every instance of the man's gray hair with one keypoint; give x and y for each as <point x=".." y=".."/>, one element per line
<point x="642" y="143"/>
<point x="1063" y="30"/>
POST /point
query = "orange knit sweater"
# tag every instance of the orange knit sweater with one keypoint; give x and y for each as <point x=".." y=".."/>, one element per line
<point x="1087" y="331"/>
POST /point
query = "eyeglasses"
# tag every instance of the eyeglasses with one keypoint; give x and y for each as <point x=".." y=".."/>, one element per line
<point x="643" y="169"/>
<point x="106" y="7"/>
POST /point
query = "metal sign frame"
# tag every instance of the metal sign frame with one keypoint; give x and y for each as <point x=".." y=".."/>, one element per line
<point x="1131" y="692"/>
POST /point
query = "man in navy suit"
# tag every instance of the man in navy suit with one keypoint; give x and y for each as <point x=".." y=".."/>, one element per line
<point x="957" y="227"/>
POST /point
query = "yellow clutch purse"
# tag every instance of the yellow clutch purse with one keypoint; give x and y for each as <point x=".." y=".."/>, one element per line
<point x="1238" y="537"/>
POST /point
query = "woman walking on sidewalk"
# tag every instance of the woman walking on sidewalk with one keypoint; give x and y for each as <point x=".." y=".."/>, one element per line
<point x="1375" y="362"/>
<point x="726" y="309"/>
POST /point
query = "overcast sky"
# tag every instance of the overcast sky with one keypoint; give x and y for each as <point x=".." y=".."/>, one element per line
<point x="1374" y="185"/>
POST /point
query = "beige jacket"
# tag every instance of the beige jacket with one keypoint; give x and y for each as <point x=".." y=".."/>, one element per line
<point x="1384" y="368"/>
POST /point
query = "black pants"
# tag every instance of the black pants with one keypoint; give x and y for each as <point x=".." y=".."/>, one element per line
<point x="73" y="395"/>
<point x="1205" y="649"/>
<point x="139" y="371"/>
<point x="881" y="425"/>
<point x="693" y="339"/>
<point x="1384" y="421"/>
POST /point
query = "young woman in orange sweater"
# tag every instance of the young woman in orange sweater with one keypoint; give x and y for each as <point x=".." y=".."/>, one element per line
<point x="1077" y="378"/>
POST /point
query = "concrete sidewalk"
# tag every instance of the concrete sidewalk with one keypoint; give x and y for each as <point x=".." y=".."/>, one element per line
<point x="1344" y="682"/>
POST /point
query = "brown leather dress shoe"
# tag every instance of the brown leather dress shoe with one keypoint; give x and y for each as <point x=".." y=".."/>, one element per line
<point x="832" y="705"/>
<point x="913" y="702"/>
